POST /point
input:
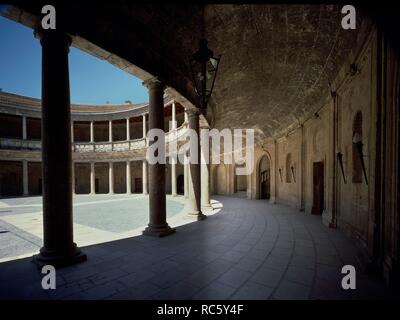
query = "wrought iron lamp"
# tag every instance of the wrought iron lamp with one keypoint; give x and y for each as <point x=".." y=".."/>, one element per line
<point x="204" y="67"/>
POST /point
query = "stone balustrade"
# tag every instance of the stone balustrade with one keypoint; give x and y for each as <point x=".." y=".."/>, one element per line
<point x="90" y="147"/>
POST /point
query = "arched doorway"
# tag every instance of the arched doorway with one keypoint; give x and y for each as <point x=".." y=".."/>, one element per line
<point x="265" y="177"/>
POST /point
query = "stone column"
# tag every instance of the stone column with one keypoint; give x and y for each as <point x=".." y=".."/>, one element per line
<point x="72" y="131"/>
<point x="24" y="135"/>
<point x="25" y="177"/>
<point x="91" y="131"/>
<point x="158" y="225"/>
<point x="186" y="177"/>
<point x="128" y="130"/>
<point x="128" y="177"/>
<point x="110" y="139"/>
<point x="173" y="116"/>
<point x="144" y="177"/>
<point x="58" y="248"/>
<point x="194" y="180"/>
<point x="73" y="178"/>
<point x="110" y="178"/>
<point x="92" y="179"/>
<point x="173" y="180"/>
<point x="186" y="166"/>
<point x="205" y="173"/>
<point x="173" y="164"/>
<point x="144" y="126"/>
<point x="186" y="116"/>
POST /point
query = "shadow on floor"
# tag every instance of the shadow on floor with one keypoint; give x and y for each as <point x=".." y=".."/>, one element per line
<point x="249" y="250"/>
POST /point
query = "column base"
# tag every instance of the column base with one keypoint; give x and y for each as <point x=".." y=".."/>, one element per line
<point x="57" y="259"/>
<point x="199" y="216"/>
<point x="158" y="231"/>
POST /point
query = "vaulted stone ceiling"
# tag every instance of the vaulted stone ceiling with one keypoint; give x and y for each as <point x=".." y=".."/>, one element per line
<point x="277" y="60"/>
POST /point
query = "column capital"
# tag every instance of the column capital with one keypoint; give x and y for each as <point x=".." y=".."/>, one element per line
<point x="192" y="112"/>
<point x="154" y="84"/>
<point x="44" y="35"/>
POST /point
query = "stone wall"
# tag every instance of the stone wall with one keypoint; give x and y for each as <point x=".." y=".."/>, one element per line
<point x="293" y="155"/>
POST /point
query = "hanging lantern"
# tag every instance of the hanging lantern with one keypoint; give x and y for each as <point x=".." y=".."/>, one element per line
<point x="204" y="67"/>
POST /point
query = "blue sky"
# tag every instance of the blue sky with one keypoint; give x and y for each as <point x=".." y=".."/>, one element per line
<point x="91" y="80"/>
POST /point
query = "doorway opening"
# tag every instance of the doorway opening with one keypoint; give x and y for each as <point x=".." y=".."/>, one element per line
<point x="265" y="178"/>
<point x="318" y="188"/>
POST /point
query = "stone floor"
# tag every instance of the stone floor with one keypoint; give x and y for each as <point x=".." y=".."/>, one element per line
<point x="250" y="249"/>
<point x="97" y="219"/>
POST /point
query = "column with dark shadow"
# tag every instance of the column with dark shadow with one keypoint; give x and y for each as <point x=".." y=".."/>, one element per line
<point x="158" y="225"/>
<point x="194" y="178"/>
<point x="58" y="248"/>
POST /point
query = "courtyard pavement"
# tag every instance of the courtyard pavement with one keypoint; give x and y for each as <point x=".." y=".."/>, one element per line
<point x="97" y="218"/>
<point x="248" y="249"/>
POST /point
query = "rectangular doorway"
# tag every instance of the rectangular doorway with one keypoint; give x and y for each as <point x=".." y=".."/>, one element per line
<point x="318" y="188"/>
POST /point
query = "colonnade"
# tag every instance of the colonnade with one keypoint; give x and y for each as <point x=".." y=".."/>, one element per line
<point x="110" y="129"/>
<point x="58" y="245"/>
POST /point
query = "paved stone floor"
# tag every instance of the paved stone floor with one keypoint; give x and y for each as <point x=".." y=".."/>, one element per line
<point x="97" y="218"/>
<point x="249" y="249"/>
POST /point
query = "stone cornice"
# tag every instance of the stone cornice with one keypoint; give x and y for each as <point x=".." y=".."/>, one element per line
<point x="22" y="105"/>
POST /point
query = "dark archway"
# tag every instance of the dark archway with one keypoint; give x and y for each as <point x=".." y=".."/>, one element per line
<point x="265" y="178"/>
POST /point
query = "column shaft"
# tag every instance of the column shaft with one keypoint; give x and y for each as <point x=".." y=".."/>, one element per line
<point x="173" y="116"/>
<point x="128" y="177"/>
<point x="144" y="177"/>
<point x="25" y="177"/>
<point x="194" y="170"/>
<point x="58" y="246"/>
<point x="144" y="126"/>
<point x="186" y="177"/>
<point x="110" y="137"/>
<point x="24" y="134"/>
<point x="92" y="179"/>
<point x="173" y="165"/>
<point x="73" y="178"/>
<point x="205" y="180"/>
<point x="186" y="116"/>
<point x="91" y="131"/>
<point x="158" y="225"/>
<point x="173" y="179"/>
<point x="110" y="178"/>
<point x="128" y="129"/>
